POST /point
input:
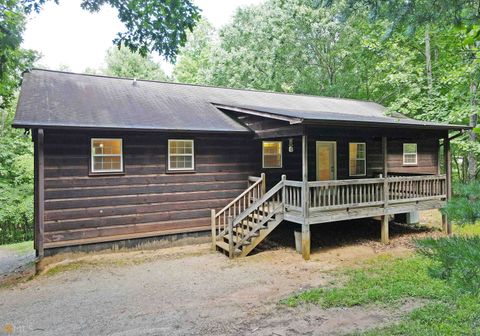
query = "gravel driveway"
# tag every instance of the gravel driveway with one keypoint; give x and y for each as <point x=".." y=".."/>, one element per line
<point x="183" y="291"/>
<point x="191" y="291"/>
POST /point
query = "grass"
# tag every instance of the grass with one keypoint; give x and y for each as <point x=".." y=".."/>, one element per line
<point x="384" y="280"/>
<point x="467" y="230"/>
<point x="450" y="310"/>
<point x="19" y="247"/>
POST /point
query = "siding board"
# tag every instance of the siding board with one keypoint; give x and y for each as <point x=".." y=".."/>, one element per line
<point x="145" y="200"/>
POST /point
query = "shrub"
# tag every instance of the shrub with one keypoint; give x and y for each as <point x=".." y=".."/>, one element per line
<point x="456" y="259"/>
<point x="464" y="207"/>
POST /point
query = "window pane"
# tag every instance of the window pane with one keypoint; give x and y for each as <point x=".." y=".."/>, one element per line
<point x="357" y="156"/>
<point x="410" y="148"/>
<point x="180" y="154"/>
<point x="107" y="155"/>
<point x="410" y="158"/>
<point x="272" y="154"/>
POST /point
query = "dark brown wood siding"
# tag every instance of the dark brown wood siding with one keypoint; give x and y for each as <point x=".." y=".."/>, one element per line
<point x="145" y="200"/>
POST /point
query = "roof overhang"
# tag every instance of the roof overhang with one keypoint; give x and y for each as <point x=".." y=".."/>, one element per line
<point x="339" y="119"/>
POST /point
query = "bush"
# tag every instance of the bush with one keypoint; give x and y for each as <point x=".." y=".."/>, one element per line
<point x="464" y="207"/>
<point x="456" y="259"/>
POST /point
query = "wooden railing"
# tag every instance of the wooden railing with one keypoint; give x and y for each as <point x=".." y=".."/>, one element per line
<point x="249" y="222"/>
<point x="332" y="195"/>
<point x="293" y="195"/>
<point x="416" y="188"/>
<point x="255" y="190"/>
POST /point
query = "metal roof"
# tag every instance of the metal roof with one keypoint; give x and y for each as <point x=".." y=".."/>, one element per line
<point x="62" y="99"/>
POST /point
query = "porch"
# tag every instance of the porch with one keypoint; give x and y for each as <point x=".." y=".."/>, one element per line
<point x="240" y="226"/>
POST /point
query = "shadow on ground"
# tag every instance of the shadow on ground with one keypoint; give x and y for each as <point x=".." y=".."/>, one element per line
<point x="338" y="234"/>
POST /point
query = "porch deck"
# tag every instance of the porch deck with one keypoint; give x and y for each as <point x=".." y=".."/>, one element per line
<point x="247" y="220"/>
<point x="331" y="201"/>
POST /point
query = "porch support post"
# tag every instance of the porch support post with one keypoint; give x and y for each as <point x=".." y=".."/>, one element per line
<point x="384" y="233"/>
<point x="39" y="197"/>
<point x="446" y="224"/>
<point x="385" y="218"/>
<point x="305" y="201"/>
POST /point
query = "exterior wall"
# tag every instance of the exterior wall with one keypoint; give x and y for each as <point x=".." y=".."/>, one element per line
<point x="145" y="201"/>
<point x="427" y="160"/>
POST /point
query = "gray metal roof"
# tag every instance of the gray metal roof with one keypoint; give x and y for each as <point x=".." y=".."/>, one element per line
<point x="62" y="99"/>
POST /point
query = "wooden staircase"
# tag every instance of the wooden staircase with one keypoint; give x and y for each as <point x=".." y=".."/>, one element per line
<point x="246" y="221"/>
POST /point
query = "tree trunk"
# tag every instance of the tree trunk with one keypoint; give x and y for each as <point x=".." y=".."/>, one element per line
<point x="472" y="160"/>
<point x="428" y="59"/>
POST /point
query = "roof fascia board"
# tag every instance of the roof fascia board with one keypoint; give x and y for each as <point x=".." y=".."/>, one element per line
<point x="383" y="124"/>
<point x="290" y="120"/>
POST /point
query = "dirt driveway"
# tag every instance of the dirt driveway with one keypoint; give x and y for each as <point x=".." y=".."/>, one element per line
<point x="190" y="291"/>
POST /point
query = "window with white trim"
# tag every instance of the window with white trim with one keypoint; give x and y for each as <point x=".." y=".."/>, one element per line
<point x="410" y="154"/>
<point x="107" y="155"/>
<point x="357" y="158"/>
<point x="181" y="155"/>
<point x="272" y="154"/>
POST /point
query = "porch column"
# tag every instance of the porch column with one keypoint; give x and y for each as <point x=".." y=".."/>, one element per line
<point x="446" y="224"/>
<point x="384" y="220"/>
<point x="39" y="196"/>
<point x="305" y="201"/>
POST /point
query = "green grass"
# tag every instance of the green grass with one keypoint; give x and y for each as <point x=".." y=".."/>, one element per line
<point x="19" y="247"/>
<point x="449" y="310"/>
<point x="457" y="316"/>
<point x="384" y="280"/>
<point x="467" y="230"/>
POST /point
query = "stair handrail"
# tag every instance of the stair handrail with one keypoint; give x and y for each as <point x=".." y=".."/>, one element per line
<point x="260" y="180"/>
<point x="275" y="194"/>
<point x="259" y="202"/>
<point x="255" y="189"/>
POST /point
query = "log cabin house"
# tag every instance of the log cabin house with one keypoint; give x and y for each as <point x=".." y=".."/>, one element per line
<point x="119" y="160"/>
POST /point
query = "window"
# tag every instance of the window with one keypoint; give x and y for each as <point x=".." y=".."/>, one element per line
<point x="272" y="154"/>
<point x="180" y="155"/>
<point x="107" y="156"/>
<point x="409" y="153"/>
<point x="358" y="162"/>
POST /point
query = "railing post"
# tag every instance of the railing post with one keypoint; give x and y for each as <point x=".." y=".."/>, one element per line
<point x="264" y="184"/>
<point x="230" y="237"/>
<point x="284" y="178"/>
<point x="305" y="201"/>
<point x="214" y="231"/>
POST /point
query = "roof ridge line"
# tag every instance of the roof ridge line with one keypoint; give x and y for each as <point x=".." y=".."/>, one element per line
<point x="206" y="86"/>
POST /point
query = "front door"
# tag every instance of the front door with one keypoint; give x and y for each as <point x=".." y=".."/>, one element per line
<point x="326" y="160"/>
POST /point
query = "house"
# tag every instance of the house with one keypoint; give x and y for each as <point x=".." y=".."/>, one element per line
<point x="121" y="160"/>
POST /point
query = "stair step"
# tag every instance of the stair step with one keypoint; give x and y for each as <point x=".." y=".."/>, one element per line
<point x="225" y="247"/>
<point x="250" y="225"/>
<point x="235" y="240"/>
<point x="239" y="230"/>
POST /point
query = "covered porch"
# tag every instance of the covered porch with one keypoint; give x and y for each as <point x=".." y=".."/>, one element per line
<point x="383" y="189"/>
<point x="319" y="171"/>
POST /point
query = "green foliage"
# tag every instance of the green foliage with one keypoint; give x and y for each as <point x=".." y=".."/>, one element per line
<point x="151" y="25"/>
<point x="385" y="280"/>
<point x="16" y="182"/>
<point x="464" y="207"/>
<point x="13" y="59"/>
<point x="456" y="259"/>
<point x="195" y="55"/>
<point x="122" y="62"/>
<point x="458" y="316"/>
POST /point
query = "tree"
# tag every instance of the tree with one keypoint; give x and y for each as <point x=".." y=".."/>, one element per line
<point x="195" y="56"/>
<point x="122" y="62"/>
<point x="152" y="25"/>
<point x="13" y="59"/>
<point x="464" y="15"/>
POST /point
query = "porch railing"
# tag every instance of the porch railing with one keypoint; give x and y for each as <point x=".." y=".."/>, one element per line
<point x="343" y="194"/>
